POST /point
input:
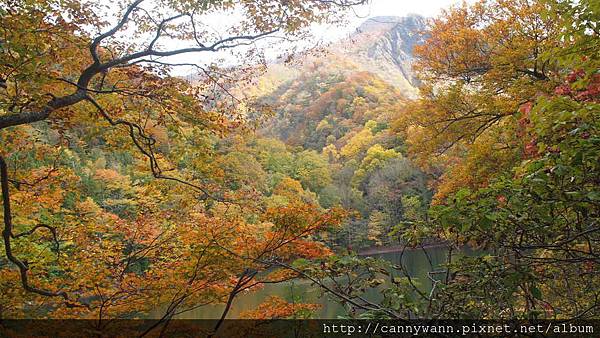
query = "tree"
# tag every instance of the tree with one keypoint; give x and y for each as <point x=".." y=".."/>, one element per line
<point x="291" y="190"/>
<point x="516" y="120"/>
<point x="70" y="79"/>
<point x="511" y="129"/>
<point x="378" y="227"/>
<point x="479" y="64"/>
<point x="389" y="187"/>
<point x="240" y="170"/>
<point x="376" y="157"/>
<point x="358" y="143"/>
<point x="312" y="169"/>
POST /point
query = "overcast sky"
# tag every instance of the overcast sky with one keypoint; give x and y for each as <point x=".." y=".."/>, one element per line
<point x="402" y="8"/>
<point x="426" y="8"/>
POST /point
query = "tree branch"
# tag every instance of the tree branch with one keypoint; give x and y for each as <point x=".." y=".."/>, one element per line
<point x="244" y="279"/>
<point x="7" y="235"/>
<point x="32" y="230"/>
<point x="134" y="129"/>
<point x="96" y="42"/>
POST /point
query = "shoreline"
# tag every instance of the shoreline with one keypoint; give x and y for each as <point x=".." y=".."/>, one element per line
<point x="397" y="248"/>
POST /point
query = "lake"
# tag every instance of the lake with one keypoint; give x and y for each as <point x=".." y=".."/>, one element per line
<point x="416" y="262"/>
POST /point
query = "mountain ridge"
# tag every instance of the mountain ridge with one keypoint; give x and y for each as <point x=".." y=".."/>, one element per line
<point x="320" y="100"/>
<point x="384" y="46"/>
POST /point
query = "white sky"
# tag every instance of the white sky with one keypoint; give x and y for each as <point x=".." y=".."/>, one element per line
<point x="426" y="8"/>
<point x="403" y="7"/>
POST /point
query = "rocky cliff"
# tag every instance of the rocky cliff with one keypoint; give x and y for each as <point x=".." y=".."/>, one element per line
<point x="384" y="46"/>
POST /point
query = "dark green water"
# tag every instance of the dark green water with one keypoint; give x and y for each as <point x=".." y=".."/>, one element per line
<point x="416" y="263"/>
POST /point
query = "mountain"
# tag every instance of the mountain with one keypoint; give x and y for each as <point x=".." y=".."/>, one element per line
<point x="383" y="46"/>
<point x="325" y="99"/>
<point x="339" y="106"/>
<point x="331" y="132"/>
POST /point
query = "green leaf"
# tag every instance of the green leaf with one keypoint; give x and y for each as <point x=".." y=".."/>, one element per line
<point x="594" y="195"/>
<point x="536" y="293"/>
<point x="300" y="262"/>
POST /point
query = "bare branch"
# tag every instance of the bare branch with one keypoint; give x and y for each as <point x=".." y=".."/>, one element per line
<point x="161" y="27"/>
<point x="136" y="131"/>
<point x="96" y="42"/>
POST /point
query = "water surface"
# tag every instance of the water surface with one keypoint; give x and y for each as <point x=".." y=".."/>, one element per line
<point x="416" y="262"/>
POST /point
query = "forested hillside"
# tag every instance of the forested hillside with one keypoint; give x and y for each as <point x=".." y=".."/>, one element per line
<point x="342" y="106"/>
<point x="344" y="115"/>
<point x="127" y="191"/>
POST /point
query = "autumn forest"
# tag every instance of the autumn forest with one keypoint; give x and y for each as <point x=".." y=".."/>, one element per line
<point x="156" y="161"/>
